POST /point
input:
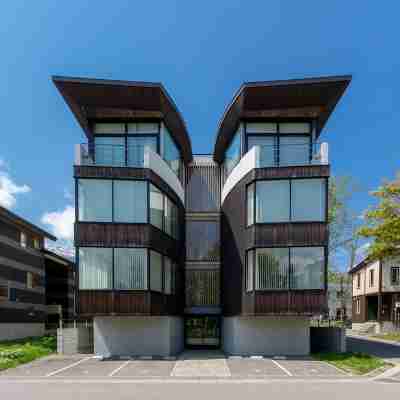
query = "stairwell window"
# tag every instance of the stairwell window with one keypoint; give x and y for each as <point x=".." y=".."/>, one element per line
<point x="359" y="280"/>
<point x="358" y="306"/>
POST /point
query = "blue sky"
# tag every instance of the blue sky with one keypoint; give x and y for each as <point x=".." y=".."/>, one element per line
<point x="202" y="52"/>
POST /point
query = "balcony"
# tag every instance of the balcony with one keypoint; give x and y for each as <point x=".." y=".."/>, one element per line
<point x="265" y="156"/>
<point x="137" y="156"/>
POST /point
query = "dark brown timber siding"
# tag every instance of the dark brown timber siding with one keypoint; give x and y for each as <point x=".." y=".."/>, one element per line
<point x="237" y="239"/>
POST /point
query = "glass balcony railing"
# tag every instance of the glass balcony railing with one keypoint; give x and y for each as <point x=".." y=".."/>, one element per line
<point x="292" y="155"/>
<point x="112" y="155"/>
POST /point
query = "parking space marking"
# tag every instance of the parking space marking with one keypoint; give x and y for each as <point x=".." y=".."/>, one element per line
<point x="119" y="368"/>
<point x="282" y="367"/>
<point x="57" y="371"/>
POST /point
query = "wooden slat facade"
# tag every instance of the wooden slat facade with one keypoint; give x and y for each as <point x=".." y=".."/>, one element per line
<point x="237" y="239"/>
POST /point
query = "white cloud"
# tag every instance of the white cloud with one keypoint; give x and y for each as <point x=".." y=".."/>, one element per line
<point x="61" y="222"/>
<point x="68" y="194"/>
<point x="9" y="189"/>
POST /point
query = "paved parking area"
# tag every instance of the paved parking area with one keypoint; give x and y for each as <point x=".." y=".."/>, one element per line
<point x="88" y="367"/>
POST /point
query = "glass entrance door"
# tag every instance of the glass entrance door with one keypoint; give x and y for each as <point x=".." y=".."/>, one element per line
<point x="202" y="331"/>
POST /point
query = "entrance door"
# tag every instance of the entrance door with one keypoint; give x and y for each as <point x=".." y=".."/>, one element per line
<point x="202" y="331"/>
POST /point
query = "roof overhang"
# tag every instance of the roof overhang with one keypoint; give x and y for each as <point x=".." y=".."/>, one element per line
<point x="91" y="99"/>
<point x="311" y="98"/>
<point x="15" y="219"/>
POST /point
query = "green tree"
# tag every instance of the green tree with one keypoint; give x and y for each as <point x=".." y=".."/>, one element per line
<point x="343" y="221"/>
<point x="382" y="222"/>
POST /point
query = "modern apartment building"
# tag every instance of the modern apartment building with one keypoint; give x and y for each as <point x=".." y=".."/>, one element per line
<point x="177" y="250"/>
<point x="376" y="294"/>
<point x="22" y="277"/>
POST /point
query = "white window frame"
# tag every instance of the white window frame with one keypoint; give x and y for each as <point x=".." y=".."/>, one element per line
<point x="29" y="280"/>
<point x="23" y="239"/>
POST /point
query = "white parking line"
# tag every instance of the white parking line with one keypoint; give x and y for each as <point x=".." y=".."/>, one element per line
<point x="282" y="368"/>
<point x="57" y="371"/>
<point x="119" y="368"/>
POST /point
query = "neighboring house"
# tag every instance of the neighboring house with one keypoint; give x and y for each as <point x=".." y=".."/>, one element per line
<point x="60" y="288"/>
<point x="22" y="277"/>
<point x="376" y="293"/>
<point x="224" y="250"/>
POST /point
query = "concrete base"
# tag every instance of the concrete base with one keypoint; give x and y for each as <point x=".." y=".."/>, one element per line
<point x="138" y="336"/>
<point x="271" y="336"/>
<point x="75" y="340"/>
<point x="13" y="331"/>
<point x="372" y="327"/>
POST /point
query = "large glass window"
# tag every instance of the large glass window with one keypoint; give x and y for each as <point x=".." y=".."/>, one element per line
<point x="295" y="268"/>
<point x="285" y="143"/>
<point x="272" y="201"/>
<point x="137" y="147"/>
<point x="95" y="200"/>
<point x="250" y="204"/>
<point x="130" y="269"/>
<point x="272" y="269"/>
<point x="110" y="151"/>
<point x="95" y="268"/>
<point x="308" y="199"/>
<point x="297" y="200"/>
<point x="308" y="264"/>
<point x="156" y="207"/>
<point x="130" y="201"/>
<point x="125" y="269"/>
<point x="232" y="154"/>
<point x="156" y="280"/>
<point x="163" y="212"/>
<point x="171" y="152"/>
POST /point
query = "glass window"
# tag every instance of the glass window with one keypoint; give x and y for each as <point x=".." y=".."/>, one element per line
<point x="23" y="239"/>
<point x="36" y="243"/>
<point x="155" y="271"/>
<point x="294" y="150"/>
<point x="250" y="270"/>
<point x="95" y="268"/>
<point x="202" y="241"/>
<point x="294" y="127"/>
<point x="29" y="280"/>
<point x="232" y="154"/>
<point x="250" y="204"/>
<point x="95" y="200"/>
<point x="130" y="269"/>
<point x="130" y="201"/>
<point x="261" y="127"/>
<point x="137" y="146"/>
<point x="272" y="201"/>
<point x="395" y="275"/>
<point x="156" y="207"/>
<point x="308" y="200"/>
<point x="171" y="154"/>
<point x="143" y="128"/>
<point x="167" y="275"/>
<point x="272" y="269"/>
<point x="308" y="268"/>
<point x="109" y="128"/>
<point x="268" y="149"/>
<point x="110" y="151"/>
<point x="371" y="277"/>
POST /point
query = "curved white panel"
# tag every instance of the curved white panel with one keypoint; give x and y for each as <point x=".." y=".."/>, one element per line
<point x="248" y="162"/>
<point x="154" y="162"/>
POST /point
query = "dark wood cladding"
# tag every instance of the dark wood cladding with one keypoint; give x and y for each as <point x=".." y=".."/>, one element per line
<point x="237" y="239"/>
<point x="290" y="303"/>
<point x="298" y="98"/>
<point x="91" y="99"/>
<point x="108" y="302"/>
<point x="289" y="234"/>
<point x="19" y="254"/>
<point x="305" y="171"/>
<point x="362" y="315"/>
<point x="91" y="171"/>
<point x="89" y="234"/>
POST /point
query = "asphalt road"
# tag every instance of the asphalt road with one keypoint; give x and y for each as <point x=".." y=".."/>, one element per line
<point x="389" y="352"/>
<point x="284" y="390"/>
